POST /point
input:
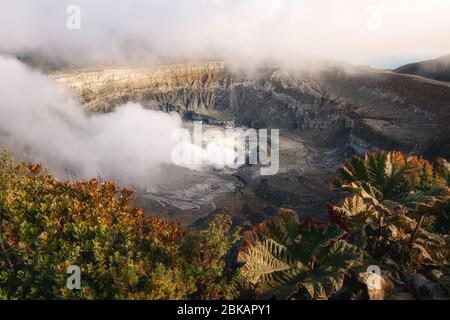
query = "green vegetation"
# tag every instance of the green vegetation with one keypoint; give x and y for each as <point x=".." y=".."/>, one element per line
<point x="398" y="214"/>
<point x="397" y="218"/>
<point x="47" y="225"/>
<point x="287" y="258"/>
<point x="395" y="215"/>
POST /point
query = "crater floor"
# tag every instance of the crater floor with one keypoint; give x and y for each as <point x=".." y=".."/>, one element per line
<point x="324" y="116"/>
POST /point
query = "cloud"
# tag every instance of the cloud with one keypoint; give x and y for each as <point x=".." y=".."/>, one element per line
<point x="129" y="32"/>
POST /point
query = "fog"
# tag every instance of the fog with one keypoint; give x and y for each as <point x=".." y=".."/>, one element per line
<point x="375" y="32"/>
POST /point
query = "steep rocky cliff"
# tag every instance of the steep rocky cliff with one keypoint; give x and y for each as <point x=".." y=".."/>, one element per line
<point x="373" y="109"/>
<point x="324" y="115"/>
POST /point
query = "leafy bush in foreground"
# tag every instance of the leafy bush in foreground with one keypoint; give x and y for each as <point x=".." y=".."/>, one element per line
<point x="289" y="258"/>
<point x="47" y="225"/>
<point x="393" y="197"/>
<point x="399" y="212"/>
<point x="397" y="217"/>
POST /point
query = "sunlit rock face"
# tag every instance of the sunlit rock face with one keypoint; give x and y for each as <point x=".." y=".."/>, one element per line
<point x="384" y="109"/>
<point x="325" y="115"/>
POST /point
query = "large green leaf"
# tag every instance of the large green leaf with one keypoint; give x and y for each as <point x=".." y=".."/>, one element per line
<point x="353" y="213"/>
<point x="390" y="176"/>
<point x="284" y="257"/>
<point x="312" y="239"/>
<point x="266" y="261"/>
<point x="327" y="276"/>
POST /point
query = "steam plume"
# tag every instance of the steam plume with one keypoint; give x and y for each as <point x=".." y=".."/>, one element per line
<point x="40" y="121"/>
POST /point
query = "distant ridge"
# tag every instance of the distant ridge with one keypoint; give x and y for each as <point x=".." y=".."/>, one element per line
<point x="437" y="69"/>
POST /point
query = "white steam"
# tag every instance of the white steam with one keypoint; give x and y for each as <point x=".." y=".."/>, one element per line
<point x="40" y="121"/>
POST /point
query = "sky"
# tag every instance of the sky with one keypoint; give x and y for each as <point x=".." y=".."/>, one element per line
<point x="381" y="33"/>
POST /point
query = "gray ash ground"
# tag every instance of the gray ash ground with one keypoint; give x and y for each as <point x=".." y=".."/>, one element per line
<point x="193" y="197"/>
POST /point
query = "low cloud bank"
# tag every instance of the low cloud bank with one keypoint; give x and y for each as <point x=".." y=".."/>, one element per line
<point x="377" y="32"/>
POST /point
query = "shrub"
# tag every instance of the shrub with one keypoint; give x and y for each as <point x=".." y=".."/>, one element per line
<point x="383" y="222"/>
<point x="398" y="212"/>
<point x="293" y="259"/>
<point x="47" y="225"/>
